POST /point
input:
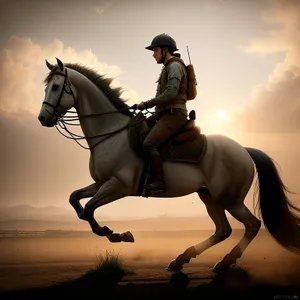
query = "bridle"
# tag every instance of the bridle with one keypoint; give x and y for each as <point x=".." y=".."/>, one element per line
<point x="62" y="121"/>
<point x="66" y="88"/>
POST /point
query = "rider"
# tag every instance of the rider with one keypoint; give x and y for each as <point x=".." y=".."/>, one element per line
<point x="170" y="105"/>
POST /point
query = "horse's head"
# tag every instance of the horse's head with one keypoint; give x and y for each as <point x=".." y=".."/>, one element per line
<point x="60" y="95"/>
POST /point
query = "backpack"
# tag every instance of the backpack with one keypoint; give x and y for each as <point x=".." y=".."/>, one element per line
<point x="191" y="79"/>
<point x="191" y="82"/>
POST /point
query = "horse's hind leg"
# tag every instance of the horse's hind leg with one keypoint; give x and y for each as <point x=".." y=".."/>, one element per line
<point x="223" y="231"/>
<point x="252" y="226"/>
<point x="76" y="196"/>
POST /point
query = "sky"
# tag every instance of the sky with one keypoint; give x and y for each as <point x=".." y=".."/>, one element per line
<point x="246" y="56"/>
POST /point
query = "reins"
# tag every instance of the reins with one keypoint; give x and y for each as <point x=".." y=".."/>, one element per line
<point x="62" y="124"/>
<point x="63" y="121"/>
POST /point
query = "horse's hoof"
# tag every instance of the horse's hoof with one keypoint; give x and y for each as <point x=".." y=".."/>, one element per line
<point x="127" y="237"/>
<point x="174" y="266"/>
<point x="114" y="238"/>
<point x="224" y="264"/>
<point x="220" y="267"/>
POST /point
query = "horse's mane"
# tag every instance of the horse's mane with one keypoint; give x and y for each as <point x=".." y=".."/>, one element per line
<point x="104" y="84"/>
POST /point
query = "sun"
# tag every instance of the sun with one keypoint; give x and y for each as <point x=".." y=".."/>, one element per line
<point x="222" y="115"/>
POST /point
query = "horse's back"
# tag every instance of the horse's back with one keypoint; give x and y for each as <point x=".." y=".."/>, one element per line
<point x="228" y="167"/>
<point x="228" y="149"/>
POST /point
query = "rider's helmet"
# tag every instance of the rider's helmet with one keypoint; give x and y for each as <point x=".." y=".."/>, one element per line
<point x="163" y="40"/>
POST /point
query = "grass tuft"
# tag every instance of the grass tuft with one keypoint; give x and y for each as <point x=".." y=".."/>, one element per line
<point x="110" y="265"/>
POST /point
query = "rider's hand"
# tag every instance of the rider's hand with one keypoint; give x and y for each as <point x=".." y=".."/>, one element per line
<point x="134" y="107"/>
<point x="141" y="106"/>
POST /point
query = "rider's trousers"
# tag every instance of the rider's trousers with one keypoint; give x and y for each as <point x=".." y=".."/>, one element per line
<point x="163" y="129"/>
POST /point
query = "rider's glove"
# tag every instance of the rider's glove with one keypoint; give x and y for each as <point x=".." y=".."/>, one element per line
<point x="142" y="105"/>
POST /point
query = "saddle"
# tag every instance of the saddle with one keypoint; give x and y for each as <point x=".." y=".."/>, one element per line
<point x="187" y="145"/>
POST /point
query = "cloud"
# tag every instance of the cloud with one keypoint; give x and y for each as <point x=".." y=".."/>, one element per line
<point x="267" y="45"/>
<point x="102" y="8"/>
<point x="284" y="15"/>
<point x="99" y="10"/>
<point x="23" y="70"/>
<point x="275" y="106"/>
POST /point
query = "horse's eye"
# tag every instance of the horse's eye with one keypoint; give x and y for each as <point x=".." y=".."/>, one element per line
<point x="55" y="87"/>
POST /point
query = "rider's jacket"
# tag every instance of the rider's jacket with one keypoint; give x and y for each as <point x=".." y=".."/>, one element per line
<point x="174" y="71"/>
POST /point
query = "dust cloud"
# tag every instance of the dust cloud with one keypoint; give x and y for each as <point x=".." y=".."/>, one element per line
<point x="70" y="256"/>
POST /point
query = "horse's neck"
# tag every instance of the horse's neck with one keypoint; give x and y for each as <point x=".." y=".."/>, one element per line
<point x="90" y="100"/>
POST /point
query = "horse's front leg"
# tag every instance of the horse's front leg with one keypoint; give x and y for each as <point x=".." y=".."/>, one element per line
<point x="76" y="196"/>
<point x="110" y="191"/>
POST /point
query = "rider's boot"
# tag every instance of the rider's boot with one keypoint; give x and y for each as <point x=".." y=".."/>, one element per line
<point x="157" y="184"/>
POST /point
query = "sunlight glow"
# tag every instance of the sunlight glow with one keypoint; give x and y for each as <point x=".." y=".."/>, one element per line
<point x="222" y="115"/>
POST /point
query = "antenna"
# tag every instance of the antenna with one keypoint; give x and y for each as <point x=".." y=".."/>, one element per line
<point x="187" y="48"/>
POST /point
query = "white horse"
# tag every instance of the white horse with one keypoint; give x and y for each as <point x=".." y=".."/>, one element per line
<point x="222" y="179"/>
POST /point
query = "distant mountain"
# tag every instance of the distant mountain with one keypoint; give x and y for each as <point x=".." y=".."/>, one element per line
<point x="18" y="212"/>
<point x="45" y="213"/>
<point x="27" y="217"/>
<point x="150" y="224"/>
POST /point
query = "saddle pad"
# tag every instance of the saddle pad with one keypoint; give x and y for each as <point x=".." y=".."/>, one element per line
<point x="191" y="151"/>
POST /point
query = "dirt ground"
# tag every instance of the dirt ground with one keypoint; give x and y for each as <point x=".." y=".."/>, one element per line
<point x="31" y="268"/>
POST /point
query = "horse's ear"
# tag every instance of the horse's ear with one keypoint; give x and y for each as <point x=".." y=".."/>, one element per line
<point x="60" y="64"/>
<point x="50" y="67"/>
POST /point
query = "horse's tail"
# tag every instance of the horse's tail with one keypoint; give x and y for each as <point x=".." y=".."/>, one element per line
<point x="275" y="208"/>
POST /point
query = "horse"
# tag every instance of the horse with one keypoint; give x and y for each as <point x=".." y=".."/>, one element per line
<point x="222" y="179"/>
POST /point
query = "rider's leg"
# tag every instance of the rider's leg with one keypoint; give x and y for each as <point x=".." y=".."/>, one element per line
<point x="169" y="123"/>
